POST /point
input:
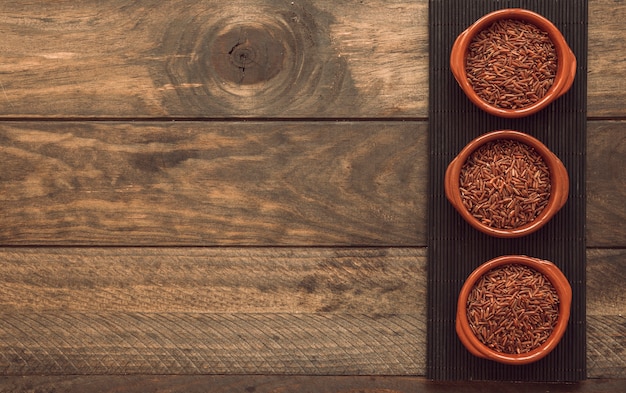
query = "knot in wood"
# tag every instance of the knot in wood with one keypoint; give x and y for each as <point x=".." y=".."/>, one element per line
<point x="247" y="54"/>
<point x="256" y="60"/>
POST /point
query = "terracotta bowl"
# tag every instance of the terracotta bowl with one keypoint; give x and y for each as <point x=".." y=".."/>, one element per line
<point x="559" y="181"/>
<point x="564" y="293"/>
<point x="565" y="57"/>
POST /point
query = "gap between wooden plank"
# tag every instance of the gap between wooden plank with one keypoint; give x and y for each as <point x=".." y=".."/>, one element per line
<point x="282" y="383"/>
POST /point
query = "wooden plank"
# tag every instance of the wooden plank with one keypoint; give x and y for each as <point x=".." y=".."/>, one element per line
<point x="212" y="310"/>
<point x="212" y="58"/>
<point x="362" y="280"/>
<point x="250" y="310"/>
<point x="152" y="59"/>
<point x="297" y="344"/>
<point x="200" y="343"/>
<point x="273" y="384"/>
<point x="606" y="274"/>
<point x="214" y="280"/>
<point x="606" y="184"/>
<point x="606" y="313"/>
<point x="255" y="343"/>
<point x="196" y="183"/>
<point x="606" y="346"/>
<point x="215" y="183"/>
<point x="171" y="290"/>
<point x="606" y="79"/>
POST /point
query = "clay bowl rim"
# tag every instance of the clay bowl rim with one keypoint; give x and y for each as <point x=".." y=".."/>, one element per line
<point x="564" y="292"/>
<point x="559" y="181"/>
<point x="566" y="70"/>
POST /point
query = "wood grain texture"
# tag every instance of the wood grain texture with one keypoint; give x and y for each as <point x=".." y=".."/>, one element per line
<point x="77" y="310"/>
<point x="147" y="58"/>
<point x="195" y="343"/>
<point x="606" y="313"/>
<point x="606" y="346"/>
<point x="246" y="183"/>
<point x="606" y="184"/>
<point x="606" y="79"/>
<point x="216" y="183"/>
<point x="213" y="280"/>
<point x="184" y="58"/>
<point x="278" y="384"/>
<point x="606" y="274"/>
<point x="223" y="343"/>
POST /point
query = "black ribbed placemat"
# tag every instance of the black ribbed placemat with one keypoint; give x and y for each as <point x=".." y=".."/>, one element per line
<point x="454" y="248"/>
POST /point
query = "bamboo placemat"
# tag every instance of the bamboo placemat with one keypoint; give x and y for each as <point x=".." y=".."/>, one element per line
<point x="454" y="248"/>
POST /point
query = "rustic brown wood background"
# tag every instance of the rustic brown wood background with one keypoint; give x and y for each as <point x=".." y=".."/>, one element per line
<point x="209" y="187"/>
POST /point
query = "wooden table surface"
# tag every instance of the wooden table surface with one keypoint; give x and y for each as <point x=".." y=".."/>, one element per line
<point x="233" y="194"/>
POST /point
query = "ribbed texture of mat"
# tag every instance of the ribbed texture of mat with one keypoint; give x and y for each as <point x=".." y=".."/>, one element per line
<point x="455" y="249"/>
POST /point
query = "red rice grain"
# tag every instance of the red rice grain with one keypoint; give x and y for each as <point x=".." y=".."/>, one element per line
<point x="513" y="309"/>
<point x="511" y="64"/>
<point x="505" y="184"/>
